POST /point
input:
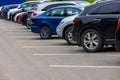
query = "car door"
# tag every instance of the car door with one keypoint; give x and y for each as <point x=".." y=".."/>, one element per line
<point x="53" y="18"/>
<point x="107" y="17"/>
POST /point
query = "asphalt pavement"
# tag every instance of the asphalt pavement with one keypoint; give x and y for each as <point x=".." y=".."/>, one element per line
<point x="25" y="56"/>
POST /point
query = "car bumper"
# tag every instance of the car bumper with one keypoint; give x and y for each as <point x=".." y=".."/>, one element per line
<point x="34" y="29"/>
<point x="29" y="22"/>
<point x="117" y="40"/>
<point x="59" y="32"/>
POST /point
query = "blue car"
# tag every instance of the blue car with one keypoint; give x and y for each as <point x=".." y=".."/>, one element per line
<point x="45" y="24"/>
<point x="7" y="8"/>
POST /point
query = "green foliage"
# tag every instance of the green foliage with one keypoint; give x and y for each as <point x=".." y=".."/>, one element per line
<point x="90" y="1"/>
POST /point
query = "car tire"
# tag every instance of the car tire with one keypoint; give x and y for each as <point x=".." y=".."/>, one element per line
<point x="117" y="41"/>
<point x="68" y="36"/>
<point x="28" y="26"/>
<point x="92" y="40"/>
<point x="45" y="32"/>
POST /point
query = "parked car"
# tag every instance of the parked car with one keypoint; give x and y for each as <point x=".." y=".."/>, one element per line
<point x="22" y="7"/>
<point x="117" y="37"/>
<point x="64" y="29"/>
<point x="95" y="27"/>
<point x="45" y="24"/>
<point x="45" y="6"/>
<point x="1" y="9"/>
<point x="7" y="8"/>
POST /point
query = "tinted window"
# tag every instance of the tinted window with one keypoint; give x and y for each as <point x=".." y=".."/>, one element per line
<point x="112" y="8"/>
<point x="24" y="5"/>
<point x="56" y="12"/>
<point x="72" y="11"/>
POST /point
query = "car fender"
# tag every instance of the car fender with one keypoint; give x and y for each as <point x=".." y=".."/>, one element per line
<point x="45" y="23"/>
<point x="89" y="26"/>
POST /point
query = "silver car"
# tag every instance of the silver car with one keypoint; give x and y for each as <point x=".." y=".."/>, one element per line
<point x="64" y="29"/>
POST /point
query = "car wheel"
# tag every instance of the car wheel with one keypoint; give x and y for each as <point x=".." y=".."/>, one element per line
<point x="92" y="41"/>
<point x="28" y="26"/>
<point x="117" y="41"/>
<point x="45" y="32"/>
<point x="69" y="37"/>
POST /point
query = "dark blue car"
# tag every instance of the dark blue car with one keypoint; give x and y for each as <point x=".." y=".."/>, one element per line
<point x="45" y="24"/>
<point x="7" y="8"/>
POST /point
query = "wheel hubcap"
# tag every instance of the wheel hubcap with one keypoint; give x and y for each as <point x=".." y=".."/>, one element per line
<point x="70" y="38"/>
<point x="44" y="32"/>
<point x="91" y="40"/>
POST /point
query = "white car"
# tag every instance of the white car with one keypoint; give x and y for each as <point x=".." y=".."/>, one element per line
<point x="21" y="7"/>
<point x="17" y="15"/>
<point x="64" y="29"/>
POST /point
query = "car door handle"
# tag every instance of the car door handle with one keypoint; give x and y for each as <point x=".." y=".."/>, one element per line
<point x="97" y="19"/>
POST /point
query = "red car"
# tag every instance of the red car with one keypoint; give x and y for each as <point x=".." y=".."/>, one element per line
<point x="117" y="37"/>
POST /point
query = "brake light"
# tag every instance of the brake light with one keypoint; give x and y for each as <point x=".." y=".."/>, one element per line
<point x="118" y="25"/>
<point x="34" y="14"/>
<point x="76" y="20"/>
<point x="29" y="12"/>
<point x="21" y="16"/>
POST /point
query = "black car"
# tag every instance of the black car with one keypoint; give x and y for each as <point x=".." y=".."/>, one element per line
<point x="95" y="27"/>
<point x="117" y="37"/>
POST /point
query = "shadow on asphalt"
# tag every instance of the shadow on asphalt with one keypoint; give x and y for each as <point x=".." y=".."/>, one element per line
<point x="105" y="50"/>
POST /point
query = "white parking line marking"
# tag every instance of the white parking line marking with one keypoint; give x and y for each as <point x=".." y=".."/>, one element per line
<point x="56" y="54"/>
<point x="78" y="66"/>
<point x="77" y="55"/>
<point x="39" y="46"/>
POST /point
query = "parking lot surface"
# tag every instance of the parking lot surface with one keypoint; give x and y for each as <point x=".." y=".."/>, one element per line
<point x="25" y="56"/>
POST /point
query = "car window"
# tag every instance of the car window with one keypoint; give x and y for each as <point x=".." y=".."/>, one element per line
<point x="56" y="12"/>
<point x="72" y="11"/>
<point x="24" y="5"/>
<point x="112" y="8"/>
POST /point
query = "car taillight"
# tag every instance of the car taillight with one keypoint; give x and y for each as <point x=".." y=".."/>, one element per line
<point x="118" y="23"/>
<point x="34" y="14"/>
<point x="21" y="16"/>
<point x="30" y="12"/>
<point x="76" y="20"/>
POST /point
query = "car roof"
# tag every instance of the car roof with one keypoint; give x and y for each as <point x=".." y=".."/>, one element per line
<point x="83" y="4"/>
<point x="57" y="2"/>
<point x="94" y="5"/>
<point x="69" y="6"/>
<point x="31" y="1"/>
